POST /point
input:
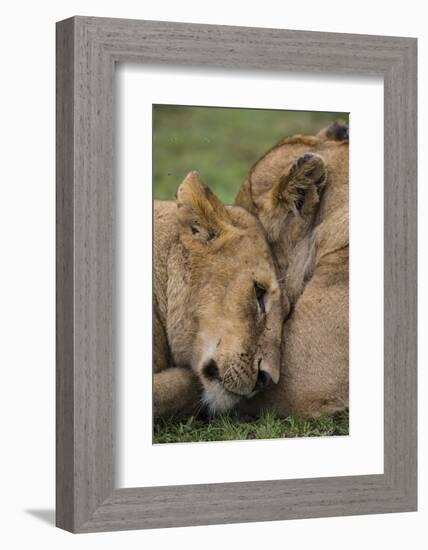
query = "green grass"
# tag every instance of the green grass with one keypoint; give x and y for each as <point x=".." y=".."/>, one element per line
<point x="230" y="427"/>
<point x="221" y="143"/>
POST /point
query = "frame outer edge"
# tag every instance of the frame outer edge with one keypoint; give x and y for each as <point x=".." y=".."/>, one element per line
<point x="87" y="371"/>
<point x="94" y="273"/>
<point x="406" y="262"/>
<point x="400" y="315"/>
<point x="65" y="274"/>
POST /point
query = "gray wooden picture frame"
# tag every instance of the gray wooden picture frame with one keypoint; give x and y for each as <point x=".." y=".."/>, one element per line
<point x="87" y="51"/>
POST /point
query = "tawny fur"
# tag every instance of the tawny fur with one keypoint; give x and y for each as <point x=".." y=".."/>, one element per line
<point x="207" y="260"/>
<point x="312" y="251"/>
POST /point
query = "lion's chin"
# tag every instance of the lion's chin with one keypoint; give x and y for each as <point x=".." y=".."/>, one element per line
<point x="218" y="400"/>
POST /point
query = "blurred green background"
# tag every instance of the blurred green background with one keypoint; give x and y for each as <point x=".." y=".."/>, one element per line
<point x="221" y="143"/>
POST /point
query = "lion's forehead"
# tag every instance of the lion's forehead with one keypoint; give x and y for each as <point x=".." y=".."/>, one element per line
<point x="242" y="219"/>
<point x="250" y="250"/>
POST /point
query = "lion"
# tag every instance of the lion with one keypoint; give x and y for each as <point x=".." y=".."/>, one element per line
<point x="218" y="308"/>
<point x="299" y="192"/>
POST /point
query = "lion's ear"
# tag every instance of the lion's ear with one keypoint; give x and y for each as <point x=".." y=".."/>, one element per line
<point x="201" y="214"/>
<point x="297" y="192"/>
<point x="335" y="132"/>
<point x="308" y="171"/>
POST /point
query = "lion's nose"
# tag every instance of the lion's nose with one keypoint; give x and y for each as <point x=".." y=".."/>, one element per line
<point x="263" y="379"/>
<point x="211" y="370"/>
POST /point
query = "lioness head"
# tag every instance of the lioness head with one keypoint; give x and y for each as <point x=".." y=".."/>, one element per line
<point x="234" y="300"/>
<point x="283" y="188"/>
<point x="294" y="186"/>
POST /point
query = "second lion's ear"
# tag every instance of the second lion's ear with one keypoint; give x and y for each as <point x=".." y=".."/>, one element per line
<point x="201" y="215"/>
<point x="306" y="172"/>
<point x="335" y="132"/>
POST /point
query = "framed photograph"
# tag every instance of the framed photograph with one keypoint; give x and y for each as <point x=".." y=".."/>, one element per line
<point x="236" y="274"/>
<point x="228" y="315"/>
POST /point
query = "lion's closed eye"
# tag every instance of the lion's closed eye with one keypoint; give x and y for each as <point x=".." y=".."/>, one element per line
<point x="260" y="297"/>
